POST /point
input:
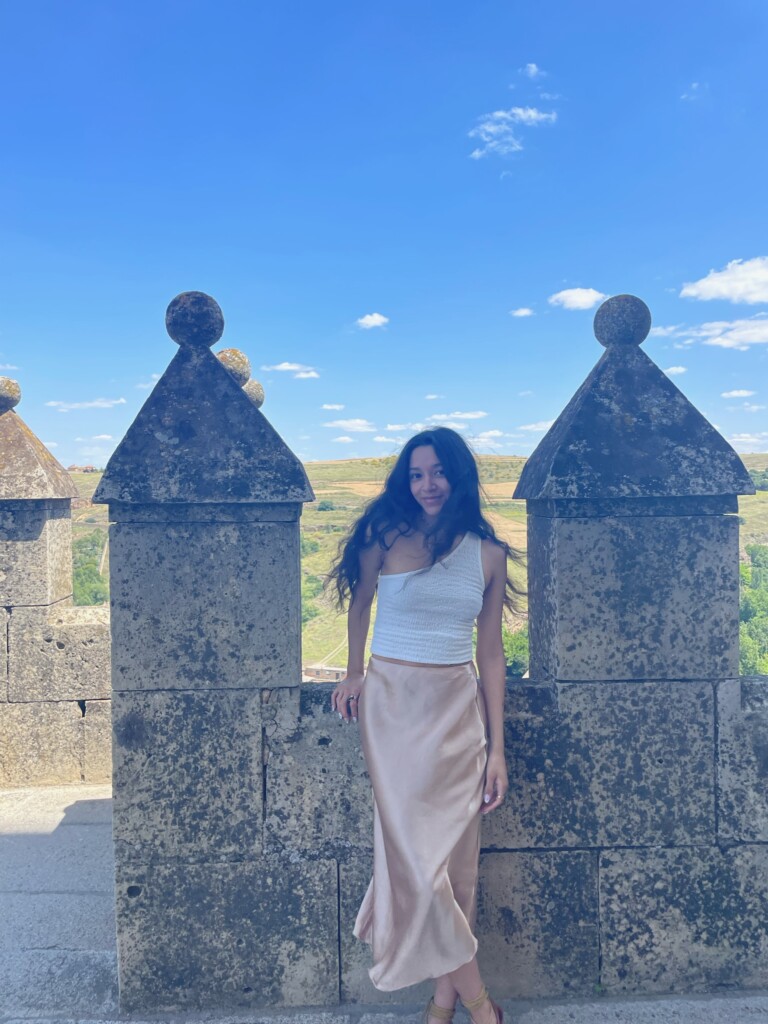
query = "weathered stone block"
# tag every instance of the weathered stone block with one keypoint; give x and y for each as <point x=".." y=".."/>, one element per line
<point x="187" y="775"/>
<point x="606" y="764"/>
<point x="634" y="597"/>
<point x="742" y="759"/>
<point x="217" y="935"/>
<point x="35" y="552"/>
<point x="59" y="653"/>
<point x="318" y="793"/>
<point x="538" y="923"/>
<point x="41" y="744"/>
<point x="250" y="636"/>
<point x="97" y="741"/>
<point x="356" y="986"/>
<point x="684" y="920"/>
<point x="3" y="655"/>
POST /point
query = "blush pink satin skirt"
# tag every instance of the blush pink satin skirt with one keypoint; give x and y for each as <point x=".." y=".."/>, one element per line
<point x="423" y="736"/>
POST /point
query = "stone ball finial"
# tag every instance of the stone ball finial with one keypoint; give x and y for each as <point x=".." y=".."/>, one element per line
<point x="255" y="392"/>
<point x="195" y="319"/>
<point x="622" y="320"/>
<point x="10" y="394"/>
<point x="237" y="363"/>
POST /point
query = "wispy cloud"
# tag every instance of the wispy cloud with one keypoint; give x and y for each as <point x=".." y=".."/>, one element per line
<point x="752" y="407"/>
<point x="524" y="394"/>
<point x="405" y="426"/>
<point x="498" y="131"/>
<point x="431" y="398"/>
<point x="522" y="311"/>
<point x="675" y="371"/>
<point x="381" y="439"/>
<point x="694" y="91"/>
<point x="8" y="366"/>
<point x="51" y="444"/>
<point x="663" y="332"/>
<point x="441" y="416"/>
<point x="738" y="393"/>
<point x="97" y="403"/>
<point x="576" y="298"/>
<point x="739" y="281"/>
<point x="332" y="407"/>
<point x="756" y="441"/>
<point x="343" y="440"/>
<point x="736" y="334"/>
<point x="145" y="385"/>
<point x="102" y="437"/>
<point x="299" y="370"/>
<point x="532" y="71"/>
<point x="371" y="320"/>
<point x="536" y="428"/>
<point x="355" y="426"/>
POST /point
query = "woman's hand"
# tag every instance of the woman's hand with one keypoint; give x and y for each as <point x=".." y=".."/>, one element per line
<point x="345" y="697"/>
<point x="496" y="782"/>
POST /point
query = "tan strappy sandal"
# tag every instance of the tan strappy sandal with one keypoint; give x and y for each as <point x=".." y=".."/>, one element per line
<point x="439" y="1012"/>
<point x="475" y="1004"/>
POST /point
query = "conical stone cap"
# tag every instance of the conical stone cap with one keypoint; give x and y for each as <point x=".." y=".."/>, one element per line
<point x="28" y="471"/>
<point x="629" y="432"/>
<point x="198" y="438"/>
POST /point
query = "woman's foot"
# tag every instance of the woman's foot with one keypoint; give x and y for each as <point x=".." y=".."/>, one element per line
<point x="483" y="1010"/>
<point x="435" y="1014"/>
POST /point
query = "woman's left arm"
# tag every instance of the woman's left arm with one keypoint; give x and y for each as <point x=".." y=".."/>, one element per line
<point x="492" y="669"/>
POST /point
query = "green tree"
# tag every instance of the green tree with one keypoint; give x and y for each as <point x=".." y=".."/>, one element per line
<point x="516" y="650"/>
<point x="88" y="585"/>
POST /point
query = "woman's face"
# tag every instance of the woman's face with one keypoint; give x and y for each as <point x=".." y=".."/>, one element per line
<point x="429" y="484"/>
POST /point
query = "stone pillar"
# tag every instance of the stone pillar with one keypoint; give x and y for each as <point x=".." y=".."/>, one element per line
<point x="632" y="525"/>
<point x="204" y="501"/>
<point x="607" y="867"/>
<point x="47" y="676"/>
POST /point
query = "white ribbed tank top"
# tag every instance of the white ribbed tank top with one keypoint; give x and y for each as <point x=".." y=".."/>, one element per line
<point x="427" y="615"/>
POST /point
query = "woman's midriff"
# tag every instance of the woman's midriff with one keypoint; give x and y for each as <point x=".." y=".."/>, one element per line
<point x="420" y="664"/>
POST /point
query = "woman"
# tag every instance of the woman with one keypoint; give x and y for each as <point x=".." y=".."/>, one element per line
<point x="438" y="566"/>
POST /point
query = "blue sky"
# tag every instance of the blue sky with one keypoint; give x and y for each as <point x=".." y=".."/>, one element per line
<point x="372" y="192"/>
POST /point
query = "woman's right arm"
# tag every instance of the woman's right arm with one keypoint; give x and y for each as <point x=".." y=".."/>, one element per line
<point x="358" y="622"/>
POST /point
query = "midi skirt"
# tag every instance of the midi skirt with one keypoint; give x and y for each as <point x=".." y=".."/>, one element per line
<point x="423" y="733"/>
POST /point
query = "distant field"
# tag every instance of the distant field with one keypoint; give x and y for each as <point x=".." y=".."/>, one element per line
<point x="343" y="487"/>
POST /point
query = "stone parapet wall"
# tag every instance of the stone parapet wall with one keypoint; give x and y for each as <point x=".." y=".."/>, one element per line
<point x="55" y="720"/>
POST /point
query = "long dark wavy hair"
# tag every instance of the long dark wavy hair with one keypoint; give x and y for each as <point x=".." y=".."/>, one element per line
<point x="396" y="511"/>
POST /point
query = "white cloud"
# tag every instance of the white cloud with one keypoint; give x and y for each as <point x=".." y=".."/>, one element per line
<point x="694" y="91"/>
<point x="532" y="71"/>
<point x="344" y="440"/>
<point x="738" y="334"/>
<point x="431" y="398"/>
<point x="664" y="332"/>
<point x="524" y="394"/>
<point x="8" y="366"/>
<point x="497" y="130"/>
<point x="757" y="440"/>
<point x="372" y="320"/>
<point x="439" y="417"/>
<point x="332" y="406"/>
<point x="380" y="439"/>
<point x="740" y="281"/>
<point x="522" y="311"/>
<point x="51" y="444"/>
<point x="299" y="370"/>
<point x="356" y="426"/>
<point x="485" y="435"/>
<point x="536" y="428"/>
<point x="751" y="407"/>
<point x="102" y="437"/>
<point x="550" y="96"/>
<point x="738" y="393"/>
<point x="97" y="403"/>
<point x="675" y="371"/>
<point x="576" y="298"/>
<point x="150" y="383"/>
